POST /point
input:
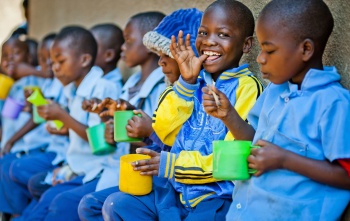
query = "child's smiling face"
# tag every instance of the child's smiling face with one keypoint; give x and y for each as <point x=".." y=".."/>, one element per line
<point x="220" y="38"/>
<point x="280" y="57"/>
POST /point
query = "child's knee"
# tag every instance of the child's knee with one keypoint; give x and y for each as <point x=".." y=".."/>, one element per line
<point x="89" y="205"/>
<point x="16" y="170"/>
<point x="117" y="202"/>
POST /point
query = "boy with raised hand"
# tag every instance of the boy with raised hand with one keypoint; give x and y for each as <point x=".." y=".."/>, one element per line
<point x="224" y="35"/>
<point x="300" y="121"/>
<point x="73" y="55"/>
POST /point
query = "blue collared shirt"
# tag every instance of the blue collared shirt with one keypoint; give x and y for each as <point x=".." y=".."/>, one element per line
<point x="79" y="154"/>
<point x="115" y="77"/>
<point x="313" y="122"/>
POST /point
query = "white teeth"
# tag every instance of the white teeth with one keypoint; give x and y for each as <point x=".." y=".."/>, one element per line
<point x="211" y="53"/>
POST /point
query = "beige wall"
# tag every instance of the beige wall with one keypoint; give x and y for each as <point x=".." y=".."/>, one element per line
<point x="11" y="16"/>
<point x="51" y="15"/>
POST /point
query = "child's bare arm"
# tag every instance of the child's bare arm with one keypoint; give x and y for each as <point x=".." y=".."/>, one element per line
<point x="30" y="125"/>
<point x="271" y="157"/>
<point x="239" y="128"/>
<point x="189" y="64"/>
<point x="53" y="111"/>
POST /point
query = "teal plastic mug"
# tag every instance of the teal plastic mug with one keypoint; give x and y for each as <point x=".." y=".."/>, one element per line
<point x="230" y="160"/>
<point x="96" y="137"/>
<point x="120" y="122"/>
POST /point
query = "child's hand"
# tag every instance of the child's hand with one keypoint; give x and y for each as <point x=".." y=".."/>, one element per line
<point x="210" y="106"/>
<point x="268" y="157"/>
<point x="6" y="149"/>
<point x="109" y="132"/>
<point x="62" y="132"/>
<point x="139" y="127"/>
<point x="92" y="105"/>
<point x="113" y="106"/>
<point x="149" y="166"/>
<point x="51" y="111"/>
<point x="189" y="64"/>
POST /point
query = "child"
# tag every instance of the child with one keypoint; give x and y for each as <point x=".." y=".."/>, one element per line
<point x="16" y="179"/>
<point x="109" y="38"/>
<point x="300" y="121"/>
<point x="193" y="193"/>
<point x="142" y="90"/>
<point x="73" y="54"/>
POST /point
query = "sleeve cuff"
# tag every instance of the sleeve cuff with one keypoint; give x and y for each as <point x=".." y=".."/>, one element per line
<point x="185" y="90"/>
<point x="167" y="165"/>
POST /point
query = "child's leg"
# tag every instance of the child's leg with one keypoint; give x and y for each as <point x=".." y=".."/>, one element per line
<point x="90" y="206"/>
<point x="65" y="205"/>
<point x="21" y="170"/>
<point x="41" y="209"/>
<point x="37" y="186"/>
<point x="122" y="206"/>
<point x="5" y="164"/>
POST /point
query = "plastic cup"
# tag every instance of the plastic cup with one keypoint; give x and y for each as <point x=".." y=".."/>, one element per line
<point x="230" y="160"/>
<point x="37" y="99"/>
<point x="131" y="181"/>
<point x="5" y="85"/>
<point x="97" y="140"/>
<point x="12" y="108"/>
<point x="120" y="121"/>
<point x="36" y="118"/>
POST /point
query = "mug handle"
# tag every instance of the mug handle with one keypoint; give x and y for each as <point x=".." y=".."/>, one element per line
<point x="252" y="171"/>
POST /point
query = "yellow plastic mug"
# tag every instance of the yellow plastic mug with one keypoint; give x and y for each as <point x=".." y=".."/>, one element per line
<point x="5" y="85"/>
<point x="131" y="181"/>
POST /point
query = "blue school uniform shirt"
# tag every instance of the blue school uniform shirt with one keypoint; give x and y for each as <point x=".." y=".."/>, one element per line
<point x="115" y="77"/>
<point x="11" y="126"/>
<point x="79" y="154"/>
<point x="312" y="122"/>
<point x="150" y="91"/>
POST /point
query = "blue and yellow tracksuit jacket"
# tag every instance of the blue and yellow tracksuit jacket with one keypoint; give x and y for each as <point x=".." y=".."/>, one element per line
<point x="181" y="122"/>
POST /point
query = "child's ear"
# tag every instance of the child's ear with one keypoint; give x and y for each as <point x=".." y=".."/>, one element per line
<point x="248" y="44"/>
<point x="308" y="49"/>
<point x="109" y="55"/>
<point x="86" y="60"/>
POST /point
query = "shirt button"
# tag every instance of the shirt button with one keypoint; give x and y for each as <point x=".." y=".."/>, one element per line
<point x="286" y="99"/>
<point x="238" y="206"/>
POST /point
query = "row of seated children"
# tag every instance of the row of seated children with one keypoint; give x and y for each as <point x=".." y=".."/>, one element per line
<point x="199" y="120"/>
<point x="146" y="99"/>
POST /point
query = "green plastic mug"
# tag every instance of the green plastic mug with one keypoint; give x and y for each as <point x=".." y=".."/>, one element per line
<point x="36" y="118"/>
<point x="230" y="160"/>
<point x="96" y="137"/>
<point x="120" y="122"/>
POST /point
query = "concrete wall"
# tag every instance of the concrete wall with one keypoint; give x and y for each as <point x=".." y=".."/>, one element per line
<point x="48" y="16"/>
<point x="11" y="16"/>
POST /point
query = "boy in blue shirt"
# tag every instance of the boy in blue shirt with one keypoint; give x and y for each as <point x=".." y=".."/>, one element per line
<point x="73" y="54"/>
<point x="109" y="38"/>
<point x="192" y="193"/>
<point x="300" y="121"/>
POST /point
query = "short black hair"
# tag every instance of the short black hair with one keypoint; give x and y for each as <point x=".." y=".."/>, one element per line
<point x="147" y="21"/>
<point x="25" y="3"/>
<point x="111" y="35"/>
<point x="33" y="48"/>
<point x="49" y="37"/>
<point x="81" y="40"/>
<point x="241" y="14"/>
<point x="302" y="19"/>
<point x="18" y="42"/>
